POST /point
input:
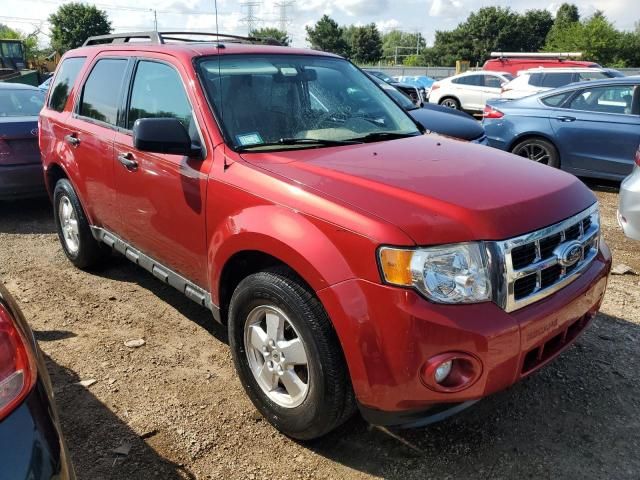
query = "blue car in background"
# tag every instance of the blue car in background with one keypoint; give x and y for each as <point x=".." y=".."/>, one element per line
<point x="421" y="82"/>
<point x="590" y="129"/>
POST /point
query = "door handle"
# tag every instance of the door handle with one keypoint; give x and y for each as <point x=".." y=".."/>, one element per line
<point x="127" y="160"/>
<point x="566" y="119"/>
<point x="72" y="139"/>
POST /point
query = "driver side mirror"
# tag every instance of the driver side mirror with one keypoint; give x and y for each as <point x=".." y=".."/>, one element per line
<point x="164" y="135"/>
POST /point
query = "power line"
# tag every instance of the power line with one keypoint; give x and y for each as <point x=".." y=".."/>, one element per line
<point x="251" y="20"/>
<point x="283" y="23"/>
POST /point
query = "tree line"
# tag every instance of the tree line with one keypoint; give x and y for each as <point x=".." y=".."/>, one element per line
<point x="484" y="31"/>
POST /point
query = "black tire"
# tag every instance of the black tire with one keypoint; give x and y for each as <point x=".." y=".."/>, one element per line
<point x="450" y="102"/>
<point x="539" y="150"/>
<point x="90" y="253"/>
<point x="330" y="400"/>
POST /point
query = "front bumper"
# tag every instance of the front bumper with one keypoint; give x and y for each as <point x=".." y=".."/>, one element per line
<point x="21" y="181"/>
<point x="388" y="334"/>
<point x="629" y="205"/>
<point x="31" y="446"/>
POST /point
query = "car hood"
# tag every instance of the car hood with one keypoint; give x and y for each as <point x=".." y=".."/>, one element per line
<point x="436" y="190"/>
<point x="449" y="122"/>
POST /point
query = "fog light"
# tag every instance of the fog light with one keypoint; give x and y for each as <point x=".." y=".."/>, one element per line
<point x="443" y="371"/>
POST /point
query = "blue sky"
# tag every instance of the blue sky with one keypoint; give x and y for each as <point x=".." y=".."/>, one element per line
<point x="425" y="16"/>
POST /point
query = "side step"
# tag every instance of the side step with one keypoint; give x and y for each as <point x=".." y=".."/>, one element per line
<point x="163" y="273"/>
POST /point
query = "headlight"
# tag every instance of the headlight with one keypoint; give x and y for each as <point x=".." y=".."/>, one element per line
<point x="446" y="274"/>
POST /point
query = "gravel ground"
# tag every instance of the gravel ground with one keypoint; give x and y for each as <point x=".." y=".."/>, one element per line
<point x="176" y="406"/>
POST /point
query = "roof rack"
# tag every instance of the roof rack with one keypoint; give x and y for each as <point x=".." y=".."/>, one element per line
<point x="557" y="55"/>
<point x="161" y="38"/>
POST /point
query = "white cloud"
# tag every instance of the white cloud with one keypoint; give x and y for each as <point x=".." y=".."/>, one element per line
<point x="445" y="8"/>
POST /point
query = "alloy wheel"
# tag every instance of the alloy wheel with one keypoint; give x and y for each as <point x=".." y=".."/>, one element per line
<point x="533" y="151"/>
<point x="277" y="356"/>
<point x="69" y="225"/>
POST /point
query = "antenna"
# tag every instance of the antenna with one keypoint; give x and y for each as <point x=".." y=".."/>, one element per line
<point x="251" y="19"/>
<point x="283" y="6"/>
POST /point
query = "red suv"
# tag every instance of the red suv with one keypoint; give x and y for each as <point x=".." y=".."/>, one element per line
<point x="518" y="61"/>
<point x="358" y="262"/>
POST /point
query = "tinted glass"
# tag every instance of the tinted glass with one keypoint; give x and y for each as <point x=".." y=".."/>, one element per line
<point x="536" y="79"/>
<point x="555" y="100"/>
<point x="555" y="80"/>
<point x="476" y="80"/>
<point x="20" y="103"/>
<point x="261" y="99"/>
<point x="66" y="77"/>
<point x="492" y="82"/>
<point x="158" y="92"/>
<point x="592" y="75"/>
<point x="101" y="93"/>
<point x="612" y="99"/>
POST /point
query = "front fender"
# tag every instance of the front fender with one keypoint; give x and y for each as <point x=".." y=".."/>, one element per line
<point x="321" y="253"/>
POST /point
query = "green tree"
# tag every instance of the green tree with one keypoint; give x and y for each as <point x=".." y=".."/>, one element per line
<point x="30" y="41"/>
<point x="326" y="35"/>
<point x="533" y="28"/>
<point x="271" y="33"/>
<point x="405" y="43"/>
<point x="367" y="44"/>
<point x="566" y="15"/>
<point x="73" y="23"/>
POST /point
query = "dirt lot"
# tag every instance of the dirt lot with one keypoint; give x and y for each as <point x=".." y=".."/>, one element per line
<point x="177" y="403"/>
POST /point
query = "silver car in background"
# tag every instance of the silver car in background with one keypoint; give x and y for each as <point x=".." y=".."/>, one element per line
<point x="629" y="202"/>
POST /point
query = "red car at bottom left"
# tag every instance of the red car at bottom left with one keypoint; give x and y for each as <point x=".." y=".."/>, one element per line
<point x="31" y="442"/>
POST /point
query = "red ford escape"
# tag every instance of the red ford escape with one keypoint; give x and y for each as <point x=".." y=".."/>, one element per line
<point x="358" y="263"/>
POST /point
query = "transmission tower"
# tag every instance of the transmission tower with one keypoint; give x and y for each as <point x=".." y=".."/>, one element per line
<point x="283" y="21"/>
<point x="251" y="19"/>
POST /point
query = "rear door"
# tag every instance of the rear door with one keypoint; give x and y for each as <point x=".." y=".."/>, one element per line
<point x="492" y="87"/>
<point x="89" y="135"/>
<point x="161" y="198"/>
<point x="598" y="130"/>
<point x="469" y="90"/>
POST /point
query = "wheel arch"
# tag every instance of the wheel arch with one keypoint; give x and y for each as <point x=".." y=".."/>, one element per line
<point x="451" y="96"/>
<point x="531" y="135"/>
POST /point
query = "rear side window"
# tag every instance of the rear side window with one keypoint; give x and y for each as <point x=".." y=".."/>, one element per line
<point x="612" y="99"/>
<point x="158" y="92"/>
<point x="555" y="80"/>
<point x="556" y="100"/>
<point x="592" y="75"/>
<point x="101" y="92"/>
<point x="476" y="80"/>
<point x="536" y="79"/>
<point x="64" y="81"/>
<point x="492" y="82"/>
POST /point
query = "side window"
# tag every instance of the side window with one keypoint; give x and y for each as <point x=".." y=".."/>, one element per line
<point x="64" y="81"/>
<point x="492" y="82"/>
<point x="475" y="80"/>
<point x="592" y="75"/>
<point x="556" y="100"/>
<point x="613" y="99"/>
<point x="101" y="91"/>
<point x="536" y="79"/>
<point x="158" y="92"/>
<point x="555" y="80"/>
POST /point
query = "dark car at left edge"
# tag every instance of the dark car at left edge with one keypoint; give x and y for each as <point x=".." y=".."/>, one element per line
<point x="31" y="442"/>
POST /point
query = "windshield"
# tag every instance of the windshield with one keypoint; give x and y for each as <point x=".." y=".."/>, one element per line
<point x="20" y="103"/>
<point x="288" y="101"/>
<point x="400" y="98"/>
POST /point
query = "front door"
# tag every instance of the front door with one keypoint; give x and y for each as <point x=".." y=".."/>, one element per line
<point x="599" y="130"/>
<point x="161" y="198"/>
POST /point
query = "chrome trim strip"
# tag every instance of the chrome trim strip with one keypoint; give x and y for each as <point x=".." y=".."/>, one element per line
<point x="158" y="270"/>
<point x="589" y="237"/>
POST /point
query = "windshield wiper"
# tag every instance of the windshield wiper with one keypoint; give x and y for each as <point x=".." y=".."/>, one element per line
<point x="376" y="136"/>
<point x="301" y="141"/>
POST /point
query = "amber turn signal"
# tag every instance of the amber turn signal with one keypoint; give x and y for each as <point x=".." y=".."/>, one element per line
<point x="396" y="265"/>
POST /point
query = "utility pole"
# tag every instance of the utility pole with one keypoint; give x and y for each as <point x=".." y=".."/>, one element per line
<point x="251" y="19"/>
<point x="284" y="21"/>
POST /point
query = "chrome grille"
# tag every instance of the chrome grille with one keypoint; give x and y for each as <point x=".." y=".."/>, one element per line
<point x="542" y="262"/>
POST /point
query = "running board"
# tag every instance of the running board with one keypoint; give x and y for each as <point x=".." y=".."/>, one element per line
<point x="158" y="270"/>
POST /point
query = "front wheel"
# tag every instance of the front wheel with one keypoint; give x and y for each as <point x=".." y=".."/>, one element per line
<point x="451" y="103"/>
<point x="288" y="356"/>
<point x="538" y="150"/>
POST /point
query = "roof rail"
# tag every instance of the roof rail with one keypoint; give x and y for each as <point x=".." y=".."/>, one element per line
<point x="159" y="38"/>
<point x="557" y="55"/>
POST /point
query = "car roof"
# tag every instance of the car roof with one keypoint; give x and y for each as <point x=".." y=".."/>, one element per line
<point x="596" y="83"/>
<point x="16" y="86"/>
<point x="562" y="70"/>
<point x="196" y="49"/>
<point x="480" y="72"/>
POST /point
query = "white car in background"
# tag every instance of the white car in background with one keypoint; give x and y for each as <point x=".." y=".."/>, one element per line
<point x="629" y="202"/>
<point x="541" y="79"/>
<point x="469" y="91"/>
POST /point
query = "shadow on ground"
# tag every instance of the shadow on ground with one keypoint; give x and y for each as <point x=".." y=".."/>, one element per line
<point x="27" y="216"/>
<point x="93" y="431"/>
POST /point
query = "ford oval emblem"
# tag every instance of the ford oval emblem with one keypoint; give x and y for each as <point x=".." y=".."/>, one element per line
<point x="569" y="253"/>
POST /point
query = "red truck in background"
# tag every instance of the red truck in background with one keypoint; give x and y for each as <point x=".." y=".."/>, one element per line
<point x="514" y="62"/>
<point x="358" y="262"/>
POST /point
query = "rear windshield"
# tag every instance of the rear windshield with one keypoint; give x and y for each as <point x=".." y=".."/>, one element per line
<point x="263" y="99"/>
<point x="20" y="103"/>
